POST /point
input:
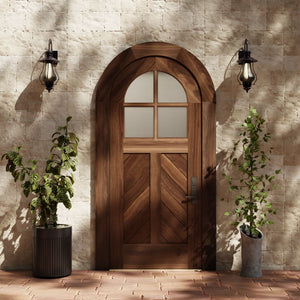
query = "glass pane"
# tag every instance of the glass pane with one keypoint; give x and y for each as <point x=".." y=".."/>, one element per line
<point x="141" y="89"/>
<point x="170" y="89"/>
<point x="138" y="122"/>
<point x="172" y="122"/>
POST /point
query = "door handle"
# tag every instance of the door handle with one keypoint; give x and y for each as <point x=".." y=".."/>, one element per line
<point x="193" y="198"/>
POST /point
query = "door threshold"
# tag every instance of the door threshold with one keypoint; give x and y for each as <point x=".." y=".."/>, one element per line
<point x="156" y="270"/>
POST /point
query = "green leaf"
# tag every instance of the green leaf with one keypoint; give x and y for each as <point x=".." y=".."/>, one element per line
<point x="64" y="156"/>
<point x="34" y="204"/>
<point x="73" y="137"/>
<point x="18" y="160"/>
<point x="47" y="189"/>
<point x="54" y="134"/>
<point x="233" y="187"/>
<point x="271" y="178"/>
<point x="16" y="175"/>
<point x="69" y="119"/>
<point x="69" y="149"/>
<point x="227" y="213"/>
<point x="67" y="203"/>
<point x="61" y="139"/>
<point x="71" y="192"/>
<point x="67" y="165"/>
<point x="71" y="177"/>
<point x="26" y="184"/>
<point x="22" y="176"/>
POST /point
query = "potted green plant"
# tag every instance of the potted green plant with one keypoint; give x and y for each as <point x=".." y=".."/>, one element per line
<point x="52" y="251"/>
<point x="251" y="187"/>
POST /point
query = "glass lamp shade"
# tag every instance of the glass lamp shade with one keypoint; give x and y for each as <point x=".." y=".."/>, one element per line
<point x="49" y="75"/>
<point x="247" y="75"/>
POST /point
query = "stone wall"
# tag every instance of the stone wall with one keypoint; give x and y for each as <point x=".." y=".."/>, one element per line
<point x="88" y="35"/>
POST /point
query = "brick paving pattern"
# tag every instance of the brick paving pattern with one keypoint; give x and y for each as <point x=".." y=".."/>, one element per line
<point x="150" y="284"/>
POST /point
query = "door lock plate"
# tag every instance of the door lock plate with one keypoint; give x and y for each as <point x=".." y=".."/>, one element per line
<point x="193" y="198"/>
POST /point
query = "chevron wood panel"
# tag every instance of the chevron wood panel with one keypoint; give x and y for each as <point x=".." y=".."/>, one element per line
<point x="136" y="209"/>
<point x="173" y="190"/>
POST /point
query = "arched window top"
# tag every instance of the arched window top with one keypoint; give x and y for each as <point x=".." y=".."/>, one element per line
<point x="169" y="89"/>
<point x="141" y="89"/>
<point x="152" y="86"/>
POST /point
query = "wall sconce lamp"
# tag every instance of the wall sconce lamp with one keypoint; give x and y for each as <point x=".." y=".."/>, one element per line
<point x="247" y="75"/>
<point x="49" y="76"/>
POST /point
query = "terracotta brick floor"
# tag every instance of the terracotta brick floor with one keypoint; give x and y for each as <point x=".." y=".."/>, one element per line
<point x="150" y="284"/>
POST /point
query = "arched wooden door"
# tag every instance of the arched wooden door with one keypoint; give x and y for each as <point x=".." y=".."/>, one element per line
<point x="143" y="217"/>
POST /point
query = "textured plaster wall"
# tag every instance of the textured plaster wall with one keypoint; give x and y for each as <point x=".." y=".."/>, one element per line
<point x="88" y="35"/>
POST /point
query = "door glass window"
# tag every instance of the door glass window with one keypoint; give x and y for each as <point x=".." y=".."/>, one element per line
<point x="172" y="122"/>
<point x="138" y="121"/>
<point x="170" y="89"/>
<point x="141" y="89"/>
<point x="155" y="106"/>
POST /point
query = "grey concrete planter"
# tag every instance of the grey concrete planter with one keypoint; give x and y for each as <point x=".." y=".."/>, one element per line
<point x="52" y="251"/>
<point x="251" y="255"/>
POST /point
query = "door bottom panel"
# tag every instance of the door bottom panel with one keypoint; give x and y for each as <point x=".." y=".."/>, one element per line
<point x="155" y="256"/>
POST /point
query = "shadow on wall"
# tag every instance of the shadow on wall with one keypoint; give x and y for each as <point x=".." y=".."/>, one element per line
<point x="15" y="225"/>
<point x="30" y="101"/>
<point x="228" y="245"/>
<point x="16" y="228"/>
<point x="227" y="93"/>
<point x="16" y="236"/>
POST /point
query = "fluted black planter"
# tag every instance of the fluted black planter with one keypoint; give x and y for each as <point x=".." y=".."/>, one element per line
<point x="52" y="251"/>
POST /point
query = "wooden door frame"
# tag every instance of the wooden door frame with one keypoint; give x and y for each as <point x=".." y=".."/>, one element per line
<point x="109" y="146"/>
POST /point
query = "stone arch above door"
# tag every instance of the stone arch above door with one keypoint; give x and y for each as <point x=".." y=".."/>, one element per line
<point x="108" y="145"/>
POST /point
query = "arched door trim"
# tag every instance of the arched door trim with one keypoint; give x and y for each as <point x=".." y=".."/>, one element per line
<point x="104" y="225"/>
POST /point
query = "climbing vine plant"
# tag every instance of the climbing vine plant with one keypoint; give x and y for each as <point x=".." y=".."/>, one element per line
<point x="253" y="186"/>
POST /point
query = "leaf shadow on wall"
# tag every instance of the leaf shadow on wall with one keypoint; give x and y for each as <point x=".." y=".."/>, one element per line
<point x="15" y="220"/>
<point x="15" y="232"/>
<point x="30" y="101"/>
<point x="227" y="242"/>
<point x="15" y="244"/>
<point x="226" y="94"/>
